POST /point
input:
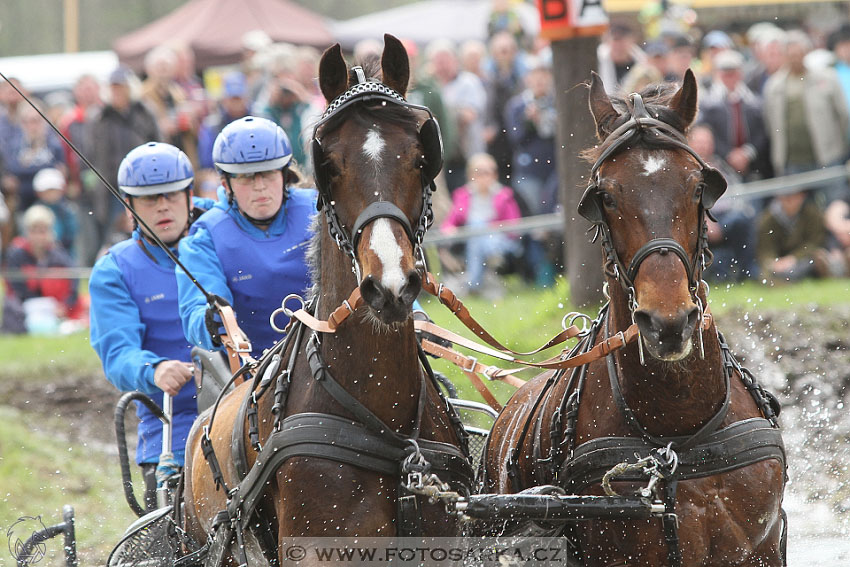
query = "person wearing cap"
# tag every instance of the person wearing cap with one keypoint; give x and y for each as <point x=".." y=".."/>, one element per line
<point x="680" y="58"/>
<point x="135" y="327"/>
<point x="249" y="250"/>
<point x="123" y="124"/>
<point x="255" y="43"/>
<point x="232" y="106"/>
<point x="713" y="43"/>
<point x="288" y="106"/>
<point x="735" y="117"/>
<point x="49" y="185"/>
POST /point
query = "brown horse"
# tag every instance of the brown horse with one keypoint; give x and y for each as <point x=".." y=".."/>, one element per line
<point x="676" y="392"/>
<point x="361" y="390"/>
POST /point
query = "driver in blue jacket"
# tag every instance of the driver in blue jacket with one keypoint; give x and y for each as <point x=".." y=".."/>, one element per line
<point x="250" y="250"/>
<point x="135" y="327"/>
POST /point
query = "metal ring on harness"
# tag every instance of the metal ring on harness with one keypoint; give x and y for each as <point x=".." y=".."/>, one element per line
<point x="283" y="309"/>
<point x="586" y="322"/>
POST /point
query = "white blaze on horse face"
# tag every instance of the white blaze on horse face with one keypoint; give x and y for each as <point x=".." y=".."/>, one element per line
<point x="653" y="164"/>
<point x="386" y="248"/>
<point x="374" y="146"/>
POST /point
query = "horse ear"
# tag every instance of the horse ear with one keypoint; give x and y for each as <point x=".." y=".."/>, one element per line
<point x="395" y="65"/>
<point x="600" y="106"/>
<point x="684" y="102"/>
<point x="333" y="75"/>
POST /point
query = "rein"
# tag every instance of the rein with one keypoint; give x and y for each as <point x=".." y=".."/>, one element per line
<point x="469" y="365"/>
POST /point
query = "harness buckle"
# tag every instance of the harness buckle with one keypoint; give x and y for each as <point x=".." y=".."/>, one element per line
<point x="490" y="372"/>
<point x="286" y="311"/>
<point x="622" y="336"/>
<point x="671" y="517"/>
<point x="347" y="305"/>
<point x="472" y="362"/>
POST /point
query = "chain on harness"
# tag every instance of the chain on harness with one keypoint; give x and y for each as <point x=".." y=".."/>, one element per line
<point x="421" y="481"/>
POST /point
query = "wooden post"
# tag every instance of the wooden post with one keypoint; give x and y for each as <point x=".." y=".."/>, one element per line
<point x="574" y="28"/>
<point x="572" y="61"/>
<point x="72" y="26"/>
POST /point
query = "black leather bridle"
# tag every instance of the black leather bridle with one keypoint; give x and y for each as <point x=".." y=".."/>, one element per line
<point x="371" y="90"/>
<point x="591" y="208"/>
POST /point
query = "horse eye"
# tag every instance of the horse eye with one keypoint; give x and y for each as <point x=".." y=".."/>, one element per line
<point x="699" y="191"/>
<point x="607" y="199"/>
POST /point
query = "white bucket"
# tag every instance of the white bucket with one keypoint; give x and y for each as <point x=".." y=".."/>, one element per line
<point x="41" y="315"/>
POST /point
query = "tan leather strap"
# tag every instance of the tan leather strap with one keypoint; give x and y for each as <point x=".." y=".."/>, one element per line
<point x="471" y="364"/>
<point x="337" y="316"/>
<point x="483" y="390"/>
<point x="472" y="368"/>
<point x="234" y="339"/>
<point x="437" y="331"/>
<point x="448" y="298"/>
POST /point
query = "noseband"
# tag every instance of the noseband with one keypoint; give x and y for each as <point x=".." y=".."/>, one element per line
<point x="371" y="90"/>
<point x="590" y="206"/>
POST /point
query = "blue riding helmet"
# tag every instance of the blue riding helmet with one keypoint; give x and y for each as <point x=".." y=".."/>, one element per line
<point x="250" y="145"/>
<point x="154" y="168"/>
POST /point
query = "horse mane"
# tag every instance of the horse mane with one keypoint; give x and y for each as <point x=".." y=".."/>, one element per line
<point x="313" y="257"/>
<point x="656" y="98"/>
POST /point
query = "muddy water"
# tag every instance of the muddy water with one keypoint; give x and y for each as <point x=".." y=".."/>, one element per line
<point x="804" y="357"/>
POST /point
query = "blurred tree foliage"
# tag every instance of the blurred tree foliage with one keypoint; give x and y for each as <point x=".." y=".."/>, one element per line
<point x="29" y="27"/>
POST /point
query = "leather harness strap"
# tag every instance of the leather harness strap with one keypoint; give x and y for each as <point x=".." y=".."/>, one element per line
<point x="335" y="319"/>
<point x="234" y="339"/>
<point x="735" y="446"/>
<point x="471" y="364"/>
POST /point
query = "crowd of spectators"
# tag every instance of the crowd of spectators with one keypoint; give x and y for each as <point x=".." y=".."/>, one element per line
<point x="772" y="102"/>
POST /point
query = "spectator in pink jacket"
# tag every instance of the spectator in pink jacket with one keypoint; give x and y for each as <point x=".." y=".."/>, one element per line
<point x="482" y="202"/>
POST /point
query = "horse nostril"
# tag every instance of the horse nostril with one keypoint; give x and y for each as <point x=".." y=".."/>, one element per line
<point x="646" y="324"/>
<point x="411" y="289"/>
<point x="693" y="321"/>
<point x="371" y="292"/>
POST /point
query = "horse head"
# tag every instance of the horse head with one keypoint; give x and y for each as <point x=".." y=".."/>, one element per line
<point x="375" y="158"/>
<point x="648" y="195"/>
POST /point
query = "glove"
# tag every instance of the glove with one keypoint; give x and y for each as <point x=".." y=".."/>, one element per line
<point x="212" y="318"/>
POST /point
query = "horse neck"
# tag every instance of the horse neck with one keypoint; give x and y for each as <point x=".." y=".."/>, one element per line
<point x="668" y="397"/>
<point x="378" y="366"/>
